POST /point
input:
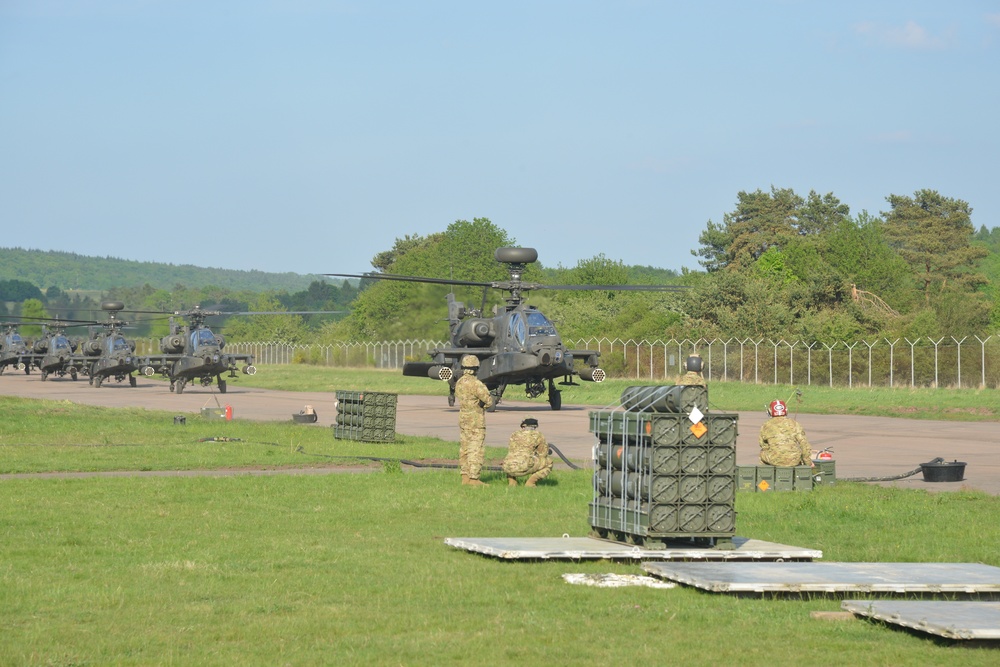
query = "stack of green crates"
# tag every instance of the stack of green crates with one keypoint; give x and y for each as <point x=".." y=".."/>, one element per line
<point x="659" y="476"/>
<point x="367" y="416"/>
<point x="774" y="478"/>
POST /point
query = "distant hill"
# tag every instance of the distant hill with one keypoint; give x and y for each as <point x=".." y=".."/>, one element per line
<point x="70" y="271"/>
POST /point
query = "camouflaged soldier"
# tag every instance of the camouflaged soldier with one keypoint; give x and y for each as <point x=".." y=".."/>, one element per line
<point x="527" y="454"/>
<point x="693" y="376"/>
<point x="473" y="398"/>
<point x="782" y="440"/>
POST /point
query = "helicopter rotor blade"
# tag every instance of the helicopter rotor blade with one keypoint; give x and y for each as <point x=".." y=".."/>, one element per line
<point x="411" y="279"/>
<point x="616" y="288"/>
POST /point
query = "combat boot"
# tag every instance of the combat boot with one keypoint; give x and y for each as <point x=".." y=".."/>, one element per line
<point x="533" y="480"/>
<point x="475" y="482"/>
<point x="465" y="479"/>
<point x="512" y="481"/>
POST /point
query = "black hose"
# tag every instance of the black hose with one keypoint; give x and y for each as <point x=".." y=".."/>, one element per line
<point x="565" y="460"/>
<point x="894" y="477"/>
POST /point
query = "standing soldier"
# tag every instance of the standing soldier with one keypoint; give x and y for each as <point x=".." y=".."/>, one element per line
<point x="693" y="376"/>
<point x="473" y="398"/>
<point x="782" y="440"/>
<point x="527" y="454"/>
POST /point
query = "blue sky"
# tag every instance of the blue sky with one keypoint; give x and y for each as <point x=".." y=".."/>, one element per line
<point x="306" y="136"/>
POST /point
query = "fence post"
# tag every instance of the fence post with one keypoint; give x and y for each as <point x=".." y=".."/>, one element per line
<point x="791" y="362"/>
<point x="912" y="363"/>
<point x="809" y="363"/>
<point x="775" y="345"/>
<point x="892" y="350"/>
<point x="850" y="362"/>
<point x="870" y="346"/>
<point x="756" y="360"/>
<point x="982" y="360"/>
<point x="958" y="344"/>
<point x="937" y="384"/>
<point x="829" y="359"/>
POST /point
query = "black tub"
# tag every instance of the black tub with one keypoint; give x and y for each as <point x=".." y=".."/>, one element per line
<point x="945" y="471"/>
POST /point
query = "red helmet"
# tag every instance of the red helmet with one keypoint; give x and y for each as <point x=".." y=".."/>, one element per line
<point x="777" y="409"/>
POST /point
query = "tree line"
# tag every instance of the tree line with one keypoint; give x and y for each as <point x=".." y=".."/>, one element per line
<point x="779" y="265"/>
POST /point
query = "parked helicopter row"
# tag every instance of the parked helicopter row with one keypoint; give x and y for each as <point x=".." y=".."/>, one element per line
<point x="191" y="352"/>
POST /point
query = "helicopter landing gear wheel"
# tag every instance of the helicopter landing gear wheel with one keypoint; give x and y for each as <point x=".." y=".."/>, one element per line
<point x="45" y="375"/>
<point x="98" y="381"/>
<point x="555" y="398"/>
<point x="222" y="386"/>
<point x="171" y="387"/>
<point x="451" y="400"/>
<point x="180" y="386"/>
<point x="73" y="375"/>
<point x="131" y="380"/>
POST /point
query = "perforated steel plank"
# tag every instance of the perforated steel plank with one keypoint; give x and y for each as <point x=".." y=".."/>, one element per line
<point x="589" y="548"/>
<point x="833" y="577"/>
<point x="954" y="620"/>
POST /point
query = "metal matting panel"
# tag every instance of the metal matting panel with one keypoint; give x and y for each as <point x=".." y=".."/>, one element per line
<point x="954" y="620"/>
<point x="832" y="577"/>
<point x="589" y="548"/>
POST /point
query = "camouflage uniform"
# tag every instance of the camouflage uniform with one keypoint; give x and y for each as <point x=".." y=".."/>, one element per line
<point x="691" y="378"/>
<point x="527" y="454"/>
<point x="783" y="443"/>
<point x="473" y="398"/>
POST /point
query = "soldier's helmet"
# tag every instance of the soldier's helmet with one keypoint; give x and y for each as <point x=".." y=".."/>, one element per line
<point x="778" y="409"/>
<point x="693" y="363"/>
<point x="470" y="361"/>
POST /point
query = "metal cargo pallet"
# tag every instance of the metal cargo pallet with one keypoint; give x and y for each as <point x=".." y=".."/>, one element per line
<point x="590" y="548"/>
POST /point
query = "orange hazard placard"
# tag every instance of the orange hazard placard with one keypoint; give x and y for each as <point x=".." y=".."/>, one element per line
<point x="699" y="429"/>
<point x="763" y="486"/>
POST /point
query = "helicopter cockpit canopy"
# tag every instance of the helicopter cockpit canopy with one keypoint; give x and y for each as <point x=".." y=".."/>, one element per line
<point x="118" y="344"/>
<point x="516" y="328"/>
<point x="539" y="325"/>
<point x="203" y="338"/>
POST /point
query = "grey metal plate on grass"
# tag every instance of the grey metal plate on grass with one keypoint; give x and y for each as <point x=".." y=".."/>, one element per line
<point x="589" y="548"/>
<point x="954" y="620"/>
<point x="832" y="577"/>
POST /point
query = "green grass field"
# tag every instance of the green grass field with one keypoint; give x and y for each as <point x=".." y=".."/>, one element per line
<point x="351" y="568"/>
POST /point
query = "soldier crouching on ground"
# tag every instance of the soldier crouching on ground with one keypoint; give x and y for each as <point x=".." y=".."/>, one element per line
<point x="782" y="440"/>
<point x="693" y="376"/>
<point x="473" y="398"/>
<point x="527" y="454"/>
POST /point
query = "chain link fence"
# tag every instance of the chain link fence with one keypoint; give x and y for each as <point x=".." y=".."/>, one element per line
<point x="946" y="361"/>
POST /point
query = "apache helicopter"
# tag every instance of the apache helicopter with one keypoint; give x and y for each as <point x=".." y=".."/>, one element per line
<point x="54" y="352"/>
<point x="519" y="345"/>
<point x="193" y="352"/>
<point x="107" y="353"/>
<point x="13" y="349"/>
